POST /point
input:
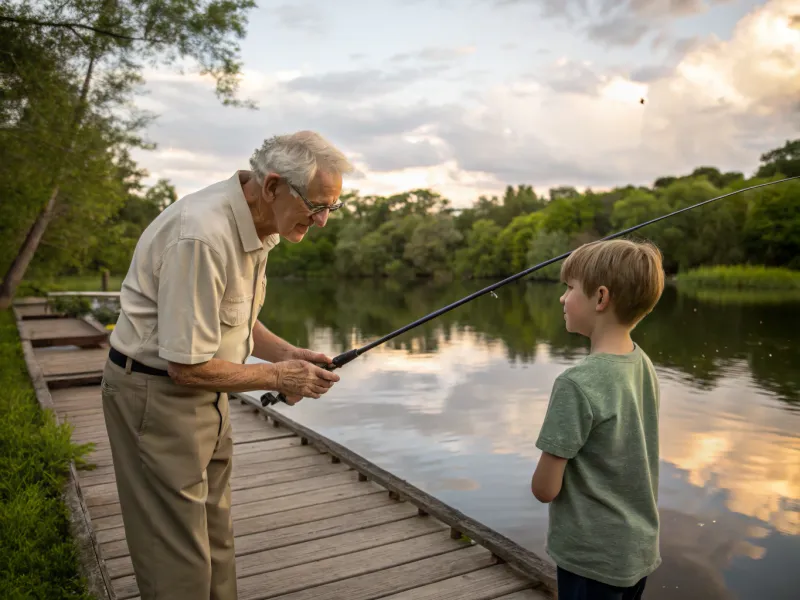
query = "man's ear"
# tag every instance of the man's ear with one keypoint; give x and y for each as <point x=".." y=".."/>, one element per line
<point x="603" y="298"/>
<point x="270" y="186"/>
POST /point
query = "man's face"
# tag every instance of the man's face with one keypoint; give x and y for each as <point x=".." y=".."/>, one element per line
<point x="293" y="217"/>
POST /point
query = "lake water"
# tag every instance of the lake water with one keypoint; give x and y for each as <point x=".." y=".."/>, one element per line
<point x="455" y="407"/>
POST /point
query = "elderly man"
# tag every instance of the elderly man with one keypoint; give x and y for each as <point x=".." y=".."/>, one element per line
<point x="188" y="322"/>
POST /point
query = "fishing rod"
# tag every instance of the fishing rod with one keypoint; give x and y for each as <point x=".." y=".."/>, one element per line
<point x="344" y="358"/>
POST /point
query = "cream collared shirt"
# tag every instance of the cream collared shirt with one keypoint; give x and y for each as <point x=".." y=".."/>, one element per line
<point x="196" y="282"/>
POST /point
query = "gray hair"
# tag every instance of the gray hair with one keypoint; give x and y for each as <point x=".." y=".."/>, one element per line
<point x="298" y="157"/>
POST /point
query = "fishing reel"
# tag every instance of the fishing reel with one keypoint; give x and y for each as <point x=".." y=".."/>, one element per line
<point x="270" y="398"/>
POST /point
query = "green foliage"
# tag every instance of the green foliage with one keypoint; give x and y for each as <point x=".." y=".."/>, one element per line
<point x="128" y="33"/>
<point x="480" y="257"/>
<point x="69" y="71"/>
<point x="543" y="247"/>
<point x="741" y="276"/>
<point x="71" y="306"/>
<point x="772" y="226"/>
<point x="781" y="161"/>
<point x="417" y="234"/>
<point x="37" y="556"/>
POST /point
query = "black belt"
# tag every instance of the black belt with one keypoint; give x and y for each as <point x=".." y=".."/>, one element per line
<point x="119" y="359"/>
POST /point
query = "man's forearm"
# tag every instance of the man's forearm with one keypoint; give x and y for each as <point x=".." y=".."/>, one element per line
<point x="223" y="376"/>
<point x="268" y="346"/>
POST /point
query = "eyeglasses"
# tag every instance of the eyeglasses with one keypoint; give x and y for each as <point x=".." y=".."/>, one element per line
<point x="315" y="208"/>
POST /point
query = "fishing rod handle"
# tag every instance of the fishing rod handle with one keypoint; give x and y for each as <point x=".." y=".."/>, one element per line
<point x="269" y="398"/>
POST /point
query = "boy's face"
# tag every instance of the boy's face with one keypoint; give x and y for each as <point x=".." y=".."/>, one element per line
<point x="580" y="310"/>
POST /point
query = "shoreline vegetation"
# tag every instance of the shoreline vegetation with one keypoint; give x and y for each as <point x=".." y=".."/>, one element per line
<point x="753" y="278"/>
<point x="721" y="284"/>
<point x="419" y="235"/>
<point x="39" y="558"/>
<point x="737" y="277"/>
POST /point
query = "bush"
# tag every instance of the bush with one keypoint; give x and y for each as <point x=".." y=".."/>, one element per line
<point x="38" y="558"/>
<point x="741" y="276"/>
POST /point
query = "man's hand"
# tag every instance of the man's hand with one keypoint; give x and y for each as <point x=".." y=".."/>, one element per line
<point x="297" y="379"/>
<point x="317" y="358"/>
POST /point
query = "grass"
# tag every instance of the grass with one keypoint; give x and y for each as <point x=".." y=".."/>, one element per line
<point x="740" y="277"/>
<point x="742" y="297"/>
<point x="38" y="558"/>
<point x="71" y="283"/>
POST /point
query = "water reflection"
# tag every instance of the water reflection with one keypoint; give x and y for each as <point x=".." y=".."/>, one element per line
<point x="455" y="407"/>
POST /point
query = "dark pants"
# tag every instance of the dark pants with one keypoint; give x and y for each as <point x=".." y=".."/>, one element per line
<point x="576" y="587"/>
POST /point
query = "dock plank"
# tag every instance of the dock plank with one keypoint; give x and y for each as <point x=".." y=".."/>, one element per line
<point x="484" y="584"/>
<point x="61" y="332"/>
<point x="292" y="579"/>
<point x="529" y="594"/>
<point x="401" y="578"/>
<point x="64" y="362"/>
<point x="40" y="310"/>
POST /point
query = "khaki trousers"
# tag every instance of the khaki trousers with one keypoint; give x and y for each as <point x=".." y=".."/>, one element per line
<point x="172" y="452"/>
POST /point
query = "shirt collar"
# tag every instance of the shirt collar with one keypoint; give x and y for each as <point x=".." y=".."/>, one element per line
<point x="244" y="220"/>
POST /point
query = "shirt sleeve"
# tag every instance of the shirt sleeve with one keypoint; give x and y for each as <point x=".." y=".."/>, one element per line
<point x="191" y="283"/>
<point x="567" y="422"/>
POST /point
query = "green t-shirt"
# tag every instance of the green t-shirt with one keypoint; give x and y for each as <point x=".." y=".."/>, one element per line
<point x="603" y="417"/>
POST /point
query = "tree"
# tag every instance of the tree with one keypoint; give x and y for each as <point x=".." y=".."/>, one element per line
<point x="544" y="246"/>
<point x="781" y="161"/>
<point x="113" y="37"/>
<point x="480" y="258"/>
<point x="431" y="245"/>
<point x="772" y="231"/>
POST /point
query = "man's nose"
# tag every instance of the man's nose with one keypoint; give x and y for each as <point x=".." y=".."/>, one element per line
<point x="321" y="217"/>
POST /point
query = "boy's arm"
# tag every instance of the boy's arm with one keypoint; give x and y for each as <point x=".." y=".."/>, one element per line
<point x="547" y="478"/>
<point x="565" y="429"/>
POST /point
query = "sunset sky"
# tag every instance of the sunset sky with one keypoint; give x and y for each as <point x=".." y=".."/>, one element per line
<point x="466" y="97"/>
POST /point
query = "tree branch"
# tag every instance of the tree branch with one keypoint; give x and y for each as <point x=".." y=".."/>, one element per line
<point x="73" y="26"/>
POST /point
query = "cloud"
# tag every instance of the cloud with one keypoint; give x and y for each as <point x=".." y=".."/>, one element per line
<point x="616" y="22"/>
<point x="594" y="9"/>
<point x="302" y="16"/>
<point x="676" y="50"/>
<point x="573" y="77"/>
<point x="651" y="73"/>
<point x="435" y="54"/>
<point x="357" y="83"/>
<point x="720" y="102"/>
<point x="620" y="31"/>
<point x="427" y="63"/>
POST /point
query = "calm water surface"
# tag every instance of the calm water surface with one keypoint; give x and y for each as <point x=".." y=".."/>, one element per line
<point x="455" y="408"/>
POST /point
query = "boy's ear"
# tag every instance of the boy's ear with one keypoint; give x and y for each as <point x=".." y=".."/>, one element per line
<point x="603" y="298"/>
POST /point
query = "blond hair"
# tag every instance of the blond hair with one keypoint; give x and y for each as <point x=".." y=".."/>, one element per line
<point x="632" y="272"/>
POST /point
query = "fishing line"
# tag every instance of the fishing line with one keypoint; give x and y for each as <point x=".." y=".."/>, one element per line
<point x="344" y="358"/>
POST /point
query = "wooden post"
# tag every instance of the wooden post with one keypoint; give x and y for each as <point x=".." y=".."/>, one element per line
<point x="104" y="285"/>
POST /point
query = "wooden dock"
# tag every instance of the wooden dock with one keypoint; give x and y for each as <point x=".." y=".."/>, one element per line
<point x="312" y="520"/>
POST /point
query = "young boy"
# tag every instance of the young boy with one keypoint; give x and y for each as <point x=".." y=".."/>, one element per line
<point x="599" y="439"/>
